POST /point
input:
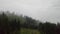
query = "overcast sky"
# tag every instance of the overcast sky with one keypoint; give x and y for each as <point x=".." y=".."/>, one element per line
<point x="43" y="10"/>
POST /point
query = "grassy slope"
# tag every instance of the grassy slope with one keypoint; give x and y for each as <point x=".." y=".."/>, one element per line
<point x="29" y="31"/>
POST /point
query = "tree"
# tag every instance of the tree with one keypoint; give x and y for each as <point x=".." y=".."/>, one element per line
<point x="47" y="28"/>
<point x="30" y="23"/>
<point x="7" y="26"/>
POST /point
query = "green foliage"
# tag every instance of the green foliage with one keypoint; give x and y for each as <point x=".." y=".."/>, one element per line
<point x="12" y="24"/>
<point x="7" y="26"/>
<point x="29" y="31"/>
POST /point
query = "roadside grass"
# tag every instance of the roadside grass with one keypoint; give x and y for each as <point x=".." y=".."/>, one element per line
<point x="29" y="31"/>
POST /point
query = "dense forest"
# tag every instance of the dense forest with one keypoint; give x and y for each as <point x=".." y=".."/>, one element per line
<point x="11" y="24"/>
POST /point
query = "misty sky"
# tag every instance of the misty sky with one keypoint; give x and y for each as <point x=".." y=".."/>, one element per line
<point x="43" y="10"/>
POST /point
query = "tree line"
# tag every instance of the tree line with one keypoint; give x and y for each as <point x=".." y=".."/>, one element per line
<point x="8" y="26"/>
<point x="11" y="24"/>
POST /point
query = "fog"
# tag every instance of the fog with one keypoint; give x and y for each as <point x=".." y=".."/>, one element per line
<point x="43" y="10"/>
